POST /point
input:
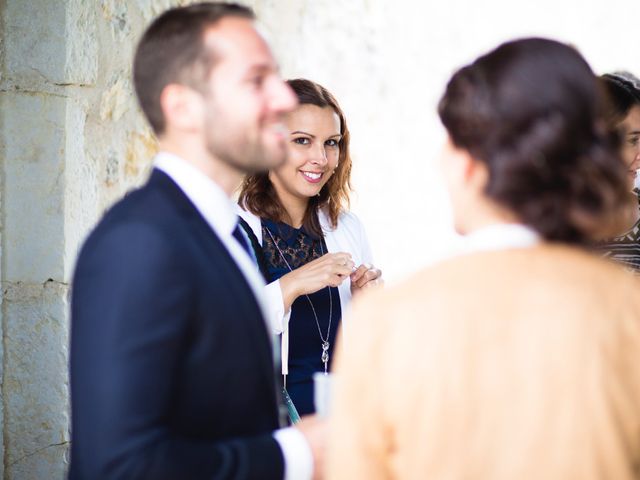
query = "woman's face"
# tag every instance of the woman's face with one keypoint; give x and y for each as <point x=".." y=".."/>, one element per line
<point x="631" y="146"/>
<point x="312" y="153"/>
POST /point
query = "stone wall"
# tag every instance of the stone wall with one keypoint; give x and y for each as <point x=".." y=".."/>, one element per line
<point x="72" y="141"/>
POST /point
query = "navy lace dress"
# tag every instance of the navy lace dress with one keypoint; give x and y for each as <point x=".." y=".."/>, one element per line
<point x="305" y="344"/>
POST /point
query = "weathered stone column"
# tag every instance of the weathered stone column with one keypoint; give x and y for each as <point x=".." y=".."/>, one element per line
<point x="72" y="141"/>
<point x="49" y="57"/>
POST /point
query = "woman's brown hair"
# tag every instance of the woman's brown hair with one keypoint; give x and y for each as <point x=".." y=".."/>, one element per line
<point x="260" y="198"/>
<point x="531" y="111"/>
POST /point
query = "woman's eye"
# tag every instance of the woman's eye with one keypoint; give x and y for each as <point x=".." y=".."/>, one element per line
<point x="633" y="141"/>
<point x="301" y="141"/>
<point x="331" y="143"/>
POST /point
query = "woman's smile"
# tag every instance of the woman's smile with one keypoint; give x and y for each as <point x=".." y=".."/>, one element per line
<point x="311" y="177"/>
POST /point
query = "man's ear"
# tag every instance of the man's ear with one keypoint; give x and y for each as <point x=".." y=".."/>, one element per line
<point x="183" y="108"/>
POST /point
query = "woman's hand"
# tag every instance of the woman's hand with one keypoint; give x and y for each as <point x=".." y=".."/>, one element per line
<point x="364" y="277"/>
<point x="329" y="270"/>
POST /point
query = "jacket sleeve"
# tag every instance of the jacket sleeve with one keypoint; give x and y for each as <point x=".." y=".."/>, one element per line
<point x="131" y="304"/>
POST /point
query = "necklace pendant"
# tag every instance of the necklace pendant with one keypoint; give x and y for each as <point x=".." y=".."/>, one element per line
<point x="325" y="343"/>
<point x="325" y="355"/>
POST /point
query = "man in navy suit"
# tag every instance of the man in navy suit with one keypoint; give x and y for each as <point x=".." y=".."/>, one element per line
<point x="172" y="373"/>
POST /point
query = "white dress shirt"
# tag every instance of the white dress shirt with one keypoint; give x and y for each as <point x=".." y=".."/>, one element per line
<point x="219" y="211"/>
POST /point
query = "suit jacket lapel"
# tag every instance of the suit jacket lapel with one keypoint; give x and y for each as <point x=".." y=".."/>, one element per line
<point x="246" y="304"/>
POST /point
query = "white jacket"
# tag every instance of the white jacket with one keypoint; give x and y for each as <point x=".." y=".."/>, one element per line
<point x="349" y="236"/>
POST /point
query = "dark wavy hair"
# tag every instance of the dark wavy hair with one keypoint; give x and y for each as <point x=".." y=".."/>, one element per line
<point x="258" y="196"/>
<point x="531" y="111"/>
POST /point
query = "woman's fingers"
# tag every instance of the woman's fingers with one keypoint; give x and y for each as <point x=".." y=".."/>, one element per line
<point x="378" y="282"/>
<point x="340" y="272"/>
<point x="374" y="279"/>
<point x="337" y="263"/>
<point x="366" y="274"/>
<point x="329" y="270"/>
<point x="360" y="271"/>
<point x="343" y="260"/>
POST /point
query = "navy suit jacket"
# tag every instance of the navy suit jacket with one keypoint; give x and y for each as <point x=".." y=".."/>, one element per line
<point x="172" y="374"/>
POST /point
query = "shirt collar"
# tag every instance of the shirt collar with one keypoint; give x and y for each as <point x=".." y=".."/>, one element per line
<point x="501" y="236"/>
<point x="208" y="197"/>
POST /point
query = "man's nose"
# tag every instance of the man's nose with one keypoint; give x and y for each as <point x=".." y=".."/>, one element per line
<point x="283" y="99"/>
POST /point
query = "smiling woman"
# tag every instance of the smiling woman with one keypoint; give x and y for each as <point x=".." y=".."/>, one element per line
<point x="622" y="114"/>
<point x="313" y="253"/>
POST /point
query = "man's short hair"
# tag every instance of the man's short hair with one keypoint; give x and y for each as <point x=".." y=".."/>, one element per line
<point x="172" y="50"/>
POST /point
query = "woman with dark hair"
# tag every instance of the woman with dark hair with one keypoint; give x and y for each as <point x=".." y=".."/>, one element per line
<point x="622" y="114"/>
<point x="313" y="253"/>
<point x="518" y="359"/>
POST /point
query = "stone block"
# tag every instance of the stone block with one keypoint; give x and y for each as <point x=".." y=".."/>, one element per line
<point x="39" y="132"/>
<point x="2" y="42"/>
<point x="35" y="387"/>
<point x="35" y="40"/>
<point x="112" y="167"/>
<point x="141" y="147"/>
<point x="81" y="59"/>
<point x="52" y="42"/>
<point x="81" y="196"/>
<point x="116" y="12"/>
<point x="1" y="364"/>
<point x="117" y="99"/>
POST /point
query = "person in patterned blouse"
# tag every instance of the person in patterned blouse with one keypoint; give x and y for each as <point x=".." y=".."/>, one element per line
<point x="622" y="113"/>
<point x="313" y="252"/>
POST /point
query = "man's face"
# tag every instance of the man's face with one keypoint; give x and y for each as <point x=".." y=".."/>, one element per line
<point x="245" y="99"/>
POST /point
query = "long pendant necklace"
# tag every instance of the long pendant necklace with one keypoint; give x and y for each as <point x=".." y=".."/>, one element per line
<point x="325" y="341"/>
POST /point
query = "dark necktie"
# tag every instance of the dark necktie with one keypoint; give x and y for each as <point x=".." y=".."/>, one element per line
<point x="237" y="234"/>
